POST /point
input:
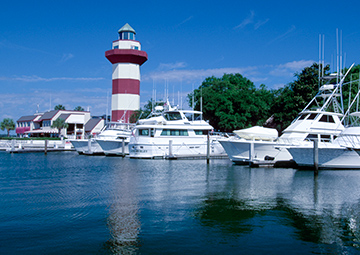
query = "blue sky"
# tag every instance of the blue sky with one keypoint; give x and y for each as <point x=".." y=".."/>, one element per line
<point x="53" y="52"/>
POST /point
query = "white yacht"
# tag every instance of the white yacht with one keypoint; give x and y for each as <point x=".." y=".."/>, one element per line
<point x="342" y="153"/>
<point x="108" y="142"/>
<point x="173" y="134"/>
<point x="115" y="139"/>
<point x="320" y="119"/>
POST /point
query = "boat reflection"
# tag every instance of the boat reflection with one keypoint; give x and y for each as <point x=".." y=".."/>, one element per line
<point x="323" y="209"/>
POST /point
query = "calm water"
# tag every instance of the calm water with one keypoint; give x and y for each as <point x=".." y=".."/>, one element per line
<point x="65" y="203"/>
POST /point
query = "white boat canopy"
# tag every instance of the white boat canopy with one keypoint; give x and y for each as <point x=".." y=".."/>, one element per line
<point x="257" y="133"/>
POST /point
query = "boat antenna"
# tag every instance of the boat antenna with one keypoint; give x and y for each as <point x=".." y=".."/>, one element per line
<point x="181" y="106"/>
<point x="319" y="61"/>
<point x="201" y="106"/>
<point x="323" y="56"/>
<point x="357" y="106"/>
<point x="193" y="100"/>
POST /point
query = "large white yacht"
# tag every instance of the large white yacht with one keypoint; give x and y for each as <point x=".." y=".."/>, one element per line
<point x="173" y="134"/>
<point x="320" y="119"/>
<point x="115" y="139"/>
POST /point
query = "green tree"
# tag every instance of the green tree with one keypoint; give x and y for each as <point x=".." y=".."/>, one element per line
<point x="232" y="102"/>
<point x="350" y="85"/>
<point x="78" y="108"/>
<point x="145" y="111"/>
<point x="59" y="107"/>
<point x="7" y="124"/>
<point x="59" y="123"/>
<point x="292" y="98"/>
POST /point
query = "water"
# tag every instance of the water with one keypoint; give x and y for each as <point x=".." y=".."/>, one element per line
<point x="65" y="203"/>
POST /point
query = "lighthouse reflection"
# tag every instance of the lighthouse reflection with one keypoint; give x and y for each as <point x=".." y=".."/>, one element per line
<point x="123" y="221"/>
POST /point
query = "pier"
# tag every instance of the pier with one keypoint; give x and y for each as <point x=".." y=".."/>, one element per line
<point x="28" y="146"/>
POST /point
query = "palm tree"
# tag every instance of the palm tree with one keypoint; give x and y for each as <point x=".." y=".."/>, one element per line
<point x="79" y="108"/>
<point x="59" y="123"/>
<point x="59" y="107"/>
<point x="7" y="124"/>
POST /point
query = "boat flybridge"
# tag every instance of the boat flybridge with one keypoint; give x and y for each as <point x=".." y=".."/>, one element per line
<point x="173" y="134"/>
<point x="320" y="119"/>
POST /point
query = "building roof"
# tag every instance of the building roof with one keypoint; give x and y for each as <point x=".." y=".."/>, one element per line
<point x="126" y="28"/>
<point x="27" y="118"/>
<point x="64" y="116"/>
<point x="48" y="115"/>
<point x="91" y="124"/>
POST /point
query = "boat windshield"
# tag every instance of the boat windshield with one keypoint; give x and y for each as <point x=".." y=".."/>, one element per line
<point x="193" y="116"/>
<point x="172" y="116"/>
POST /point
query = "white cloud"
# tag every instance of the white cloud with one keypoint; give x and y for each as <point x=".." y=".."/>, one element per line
<point x="66" y="57"/>
<point x="280" y="37"/>
<point x="35" y="78"/>
<point x="170" y="66"/>
<point x="288" y="69"/>
<point x="194" y="75"/>
<point x="184" y="21"/>
<point x="247" y="21"/>
<point x="260" y="23"/>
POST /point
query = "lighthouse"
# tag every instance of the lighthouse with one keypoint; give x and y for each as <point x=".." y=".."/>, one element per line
<point x="126" y="58"/>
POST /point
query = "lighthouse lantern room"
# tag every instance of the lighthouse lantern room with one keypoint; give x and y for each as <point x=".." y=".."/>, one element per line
<point x="126" y="57"/>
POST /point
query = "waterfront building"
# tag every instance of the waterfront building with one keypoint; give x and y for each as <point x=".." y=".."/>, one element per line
<point x="39" y="124"/>
<point x="126" y="57"/>
<point x="94" y="126"/>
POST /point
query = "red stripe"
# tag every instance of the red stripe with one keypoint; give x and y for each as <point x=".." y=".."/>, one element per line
<point x="118" y="115"/>
<point x="126" y="86"/>
<point x="126" y="56"/>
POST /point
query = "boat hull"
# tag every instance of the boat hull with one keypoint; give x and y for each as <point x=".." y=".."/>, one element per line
<point x="243" y="151"/>
<point x="114" y="147"/>
<point x="328" y="158"/>
<point x="82" y="146"/>
<point x="173" y="148"/>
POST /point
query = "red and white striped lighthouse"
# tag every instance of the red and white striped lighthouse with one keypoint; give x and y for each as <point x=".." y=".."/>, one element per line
<point x="126" y="57"/>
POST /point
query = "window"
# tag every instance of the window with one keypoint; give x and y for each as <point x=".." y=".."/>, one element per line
<point x="116" y="47"/>
<point x="144" y="132"/>
<point x="325" y="138"/>
<point x="311" y="137"/>
<point x="201" y="132"/>
<point x="193" y="116"/>
<point x="127" y="36"/>
<point x="172" y="116"/>
<point x="174" y="132"/>
<point x="327" y="118"/>
<point x="312" y="116"/>
<point x="302" y="116"/>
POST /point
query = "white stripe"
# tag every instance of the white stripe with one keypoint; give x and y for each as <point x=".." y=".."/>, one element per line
<point x="126" y="71"/>
<point x="125" y="102"/>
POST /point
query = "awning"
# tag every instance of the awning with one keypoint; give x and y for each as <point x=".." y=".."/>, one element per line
<point x="39" y="131"/>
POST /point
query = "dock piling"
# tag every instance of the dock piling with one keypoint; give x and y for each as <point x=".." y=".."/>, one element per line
<point x="89" y="146"/>
<point x="170" y="148"/>
<point x="46" y="145"/>
<point x="123" y="147"/>
<point x="208" y="149"/>
<point x="316" y="156"/>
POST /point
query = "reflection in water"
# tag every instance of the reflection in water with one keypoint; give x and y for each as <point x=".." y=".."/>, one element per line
<point x="229" y="213"/>
<point x="173" y="207"/>
<point x="123" y="220"/>
<point x="323" y="209"/>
